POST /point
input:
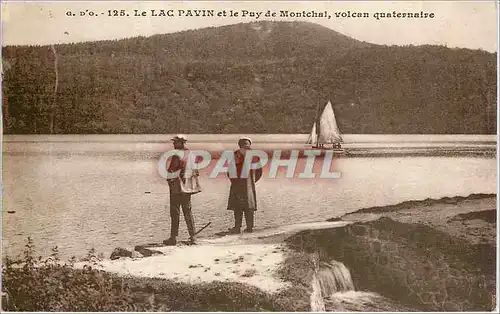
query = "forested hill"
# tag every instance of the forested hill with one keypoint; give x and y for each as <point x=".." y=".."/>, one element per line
<point x="266" y="77"/>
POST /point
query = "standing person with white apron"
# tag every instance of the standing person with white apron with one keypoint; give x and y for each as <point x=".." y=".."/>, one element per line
<point x="182" y="186"/>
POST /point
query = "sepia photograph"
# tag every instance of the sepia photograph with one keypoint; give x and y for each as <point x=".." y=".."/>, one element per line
<point x="249" y="156"/>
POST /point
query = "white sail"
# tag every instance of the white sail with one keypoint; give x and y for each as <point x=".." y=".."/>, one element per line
<point x="313" y="137"/>
<point x="328" y="129"/>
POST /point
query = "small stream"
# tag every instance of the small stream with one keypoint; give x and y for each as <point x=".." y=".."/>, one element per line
<point x="334" y="291"/>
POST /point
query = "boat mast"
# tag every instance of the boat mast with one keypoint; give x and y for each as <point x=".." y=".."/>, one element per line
<point x="316" y="120"/>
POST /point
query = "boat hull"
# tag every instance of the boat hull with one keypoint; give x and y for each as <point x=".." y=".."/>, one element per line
<point x="330" y="149"/>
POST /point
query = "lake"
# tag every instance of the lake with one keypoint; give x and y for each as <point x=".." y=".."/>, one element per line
<point x="82" y="191"/>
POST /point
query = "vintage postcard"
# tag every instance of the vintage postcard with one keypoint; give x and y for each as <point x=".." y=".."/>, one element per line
<point x="249" y="156"/>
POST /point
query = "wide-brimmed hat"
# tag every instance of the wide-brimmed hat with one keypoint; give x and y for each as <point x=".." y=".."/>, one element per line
<point x="179" y="138"/>
<point x="244" y="138"/>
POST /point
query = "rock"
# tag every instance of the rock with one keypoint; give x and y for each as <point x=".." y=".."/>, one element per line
<point x="136" y="254"/>
<point x="120" y="252"/>
<point x="146" y="252"/>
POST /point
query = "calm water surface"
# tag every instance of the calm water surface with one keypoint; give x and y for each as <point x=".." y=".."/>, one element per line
<point x="79" y="192"/>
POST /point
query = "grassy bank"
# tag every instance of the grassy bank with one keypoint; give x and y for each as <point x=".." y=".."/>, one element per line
<point x="419" y="266"/>
<point x="36" y="284"/>
<point x="417" y="204"/>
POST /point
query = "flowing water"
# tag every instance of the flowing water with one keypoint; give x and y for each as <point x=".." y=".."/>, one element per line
<point x="82" y="191"/>
<point x="329" y="279"/>
<point x="334" y="291"/>
<point x="334" y="277"/>
<point x="317" y="301"/>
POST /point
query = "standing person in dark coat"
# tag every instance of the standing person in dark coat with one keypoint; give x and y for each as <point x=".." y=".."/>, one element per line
<point x="180" y="195"/>
<point x="242" y="196"/>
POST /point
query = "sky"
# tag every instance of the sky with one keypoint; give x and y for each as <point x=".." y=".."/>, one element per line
<point x="467" y="24"/>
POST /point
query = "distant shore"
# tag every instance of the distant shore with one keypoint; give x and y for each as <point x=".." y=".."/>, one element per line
<point x="151" y="146"/>
<point x="155" y="153"/>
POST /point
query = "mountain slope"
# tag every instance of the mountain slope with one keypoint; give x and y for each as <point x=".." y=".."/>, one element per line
<point x="266" y="77"/>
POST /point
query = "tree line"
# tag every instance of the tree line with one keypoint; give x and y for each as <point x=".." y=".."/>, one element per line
<point x="267" y="77"/>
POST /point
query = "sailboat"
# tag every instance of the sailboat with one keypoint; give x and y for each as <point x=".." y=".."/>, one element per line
<point x="326" y="132"/>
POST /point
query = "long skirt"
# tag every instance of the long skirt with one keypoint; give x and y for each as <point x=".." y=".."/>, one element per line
<point x="242" y="195"/>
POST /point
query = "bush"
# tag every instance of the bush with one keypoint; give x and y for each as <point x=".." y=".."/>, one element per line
<point x="49" y="285"/>
<point x="36" y="284"/>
